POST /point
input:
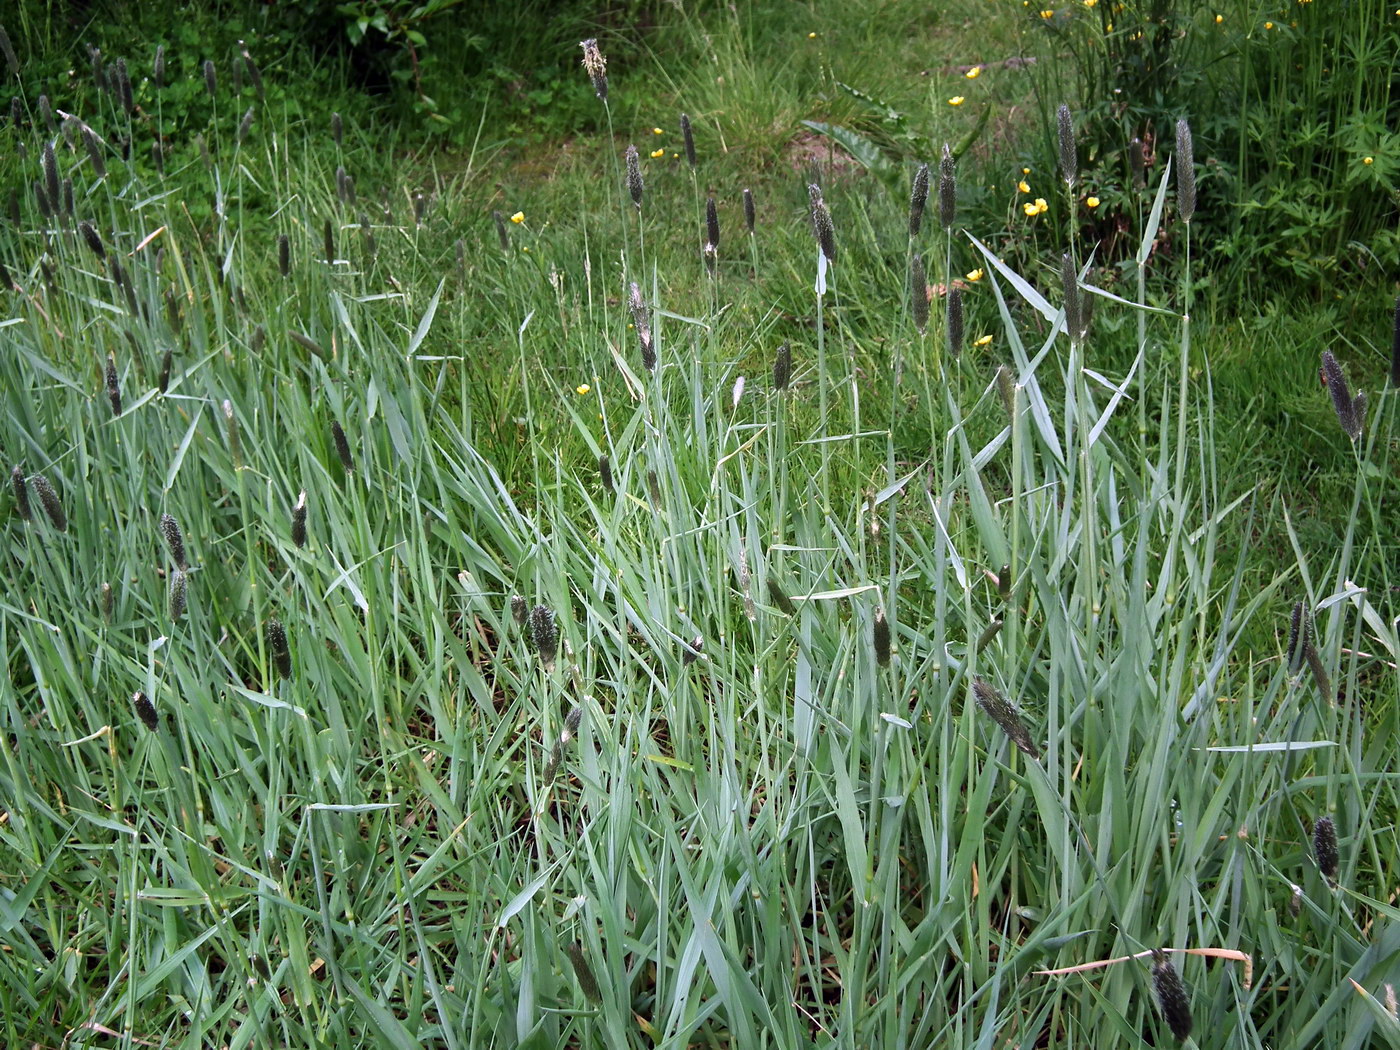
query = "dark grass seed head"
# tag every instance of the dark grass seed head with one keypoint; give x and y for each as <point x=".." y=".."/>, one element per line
<point x="955" y="321"/>
<point x="124" y="93"/>
<point x="145" y="710"/>
<point x="284" y="255"/>
<point x="1185" y="172"/>
<point x="1297" y="638"/>
<point x="1069" y="158"/>
<point x="254" y="73"/>
<point x="1342" y="400"/>
<point x="211" y="79"/>
<point x="688" y="137"/>
<point x="1172" y="998"/>
<point x="92" y="238"/>
<point x="166" y="360"/>
<point x="114" y="390"/>
<point x="520" y="613"/>
<point x="245" y="125"/>
<point x="712" y="222"/>
<point x="634" y="176"/>
<point x="337" y="130"/>
<point x="1137" y="161"/>
<point x="947" y="189"/>
<point x="106" y="601"/>
<point x="596" y="66"/>
<point x="918" y="200"/>
<point x="544" y="634"/>
<point x="502" y="233"/>
<point x="8" y="49"/>
<point x="881" y="639"/>
<point x="277" y="647"/>
<point x="48" y="499"/>
<point x="1005" y="714"/>
<point x="175" y="540"/>
<point x="588" y="984"/>
<point x="749" y="218"/>
<point x="918" y="293"/>
<point x="1325" y="847"/>
<point x="605" y="475"/>
<point x="654" y="490"/>
<point x="1395" y="348"/>
<point x="692" y="650"/>
<point x="782" y="367"/>
<point x="822" y="227"/>
<point x="779" y="597"/>
<point x="641" y="320"/>
<point x="51" y="182"/>
<point x="21" y="491"/>
<point x="299" y="521"/>
<point x="342" y="446"/>
<point x="158" y="68"/>
<point x="175" y="599"/>
<point x="1069" y="281"/>
<point x="328" y="242"/>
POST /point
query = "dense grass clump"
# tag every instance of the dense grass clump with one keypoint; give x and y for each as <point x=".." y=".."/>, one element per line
<point x="471" y="619"/>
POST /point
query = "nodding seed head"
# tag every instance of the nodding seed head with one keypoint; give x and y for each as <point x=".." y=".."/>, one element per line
<point x="596" y="66"/>
<point x="882" y="638"/>
<point x="1171" y="995"/>
<point x="1325" y="847"/>
<point x="947" y="189"/>
<point x="688" y="137"/>
<point x="1069" y="160"/>
<point x="176" y="596"/>
<point x="918" y="292"/>
<point x="1004" y="713"/>
<point x="634" y="176"/>
<point x="544" y="632"/>
<point x="782" y="367"/>
<point x="918" y="198"/>
<point x="821" y="223"/>
<point x="277" y="646"/>
<point x="749" y="222"/>
<point x="48" y="499"/>
<point x="175" y="540"/>
<point x="145" y="710"/>
<point x="1185" y="172"/>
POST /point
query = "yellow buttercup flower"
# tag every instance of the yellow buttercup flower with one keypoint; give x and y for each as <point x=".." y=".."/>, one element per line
<point x="1025" y="171"/>
<point x="1023" y="186"/>
<point x="1368" y="160"/>
<point x="1270" y="25"/>
<point x="1093" y="202"/>
<point x="1048" y="13"/>
<point x="973" y="73"/>
<point x="657" y="153"/>
<point x="956" y="100"/>
<point x="811" y="36"/>
<point x="1032" y="210"/>
<point x="657" y="131"/>
<point x="1091" y="3"/>
<point x="982" y="341"/>
<point x="518" y="217"/>
<point x="974" y="275"/>
<point x="582" y="388"/>
<point x="1219" y="19"/>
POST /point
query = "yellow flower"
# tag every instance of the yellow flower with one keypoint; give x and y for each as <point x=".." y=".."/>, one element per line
<point x="1048" y="13"/>
<point x="582" y="388"/>
<point x="982" y="341"/>
<point x="1268" y="25"/>
<point x="973" y="73"/>
<point x="1093" y="202"/>
<point x="1108" y="28"/>
<point x="1023" y="186"/>
<point x="1368" y="160"/>
<point x="1091" y="3"/>
<point x="1032" y="210"/>
<point x="657" y="131"/>
<point x="956" y="100"/>
<point x="811" y="36"/>
<point x="974" y="275"/>
<point x="1219" y="19"/>
<point x="1025" y="171"/>
<point x="518" y="217"/>
<point x="657" y="153"/>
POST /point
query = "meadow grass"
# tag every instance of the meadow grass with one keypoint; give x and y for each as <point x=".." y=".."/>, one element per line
<point x="867" y="689"/>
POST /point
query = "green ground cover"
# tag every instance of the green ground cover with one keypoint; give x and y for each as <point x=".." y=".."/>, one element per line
<point x="462" y="593"/>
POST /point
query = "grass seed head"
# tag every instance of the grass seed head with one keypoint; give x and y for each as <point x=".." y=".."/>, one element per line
<point x="48" y="499"/>
<point x="284" y="255"/>
<point x="1137" y="160"/>
<point x="502" y="234"/>
<point x="749" y="222"/>
<point x="520" y="613"/>
<point x="780" y="598"/>
<point x="99" y="68"/>
<point x="1069" y="159"/>
<point x="1185" y="172"/>
<point x="882" y="638"/>
<point x="1069" y="281"/>
<point x="145" y="710"/>
<point x="1342" y="400"/>
<point x="299" y="520"/>
<point x="692" y="650"/>
<point x="277" y="646"/>
<point x="782" y="367"/>
<point x="124" y="94"/>
<point x="175" y="540"/>
<point x="235" y="443"/>
<point x="46" y="114"/>
<point x="955" y="321"/>
<point x="1325" y="847"/>
<point x="1297" y="638"/>
<point x="176" y="596"/>
<point x="688" y="137"/>
<point x="1295" y="900"/>
<point x="94" y="241"/>
<point x="166" y="360"/>
<point x="11" y="59"/>
<point x="1395" y="348"/>
<point x="41" y="198"/>
<point x="105" y="600"/>
<point x="114" y="390"/>
<point x="21" y="490"/>
<point x="947" y="189"/>
<point x="634" y="177"/>
<point x="1172" y="999"/>
<point x="587" y="983"/>
<point x="918" y="292"/>
<point x="712" y="222"/>
<point x="821" y="223"/>
<point x="342" y="446"/>
<point x="544" y="634"/>
<point x="158" y="68"/>
<point x="572" y="721"/>
<point x="654" y="490"/>
<point x="337" y="130"/>
<point x="244" y="126"/>
<point x="51" y="184"/>
<point x="596" y="66"/>
<point x="328" y="239"/>
<point x="254" y="73"/>
<point x="1005" y="714"/>
<point x="641" y="320"/>
<point x="211" y="80"/>
<point x="918" y="200"/>
<point x="605" y="475"/>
